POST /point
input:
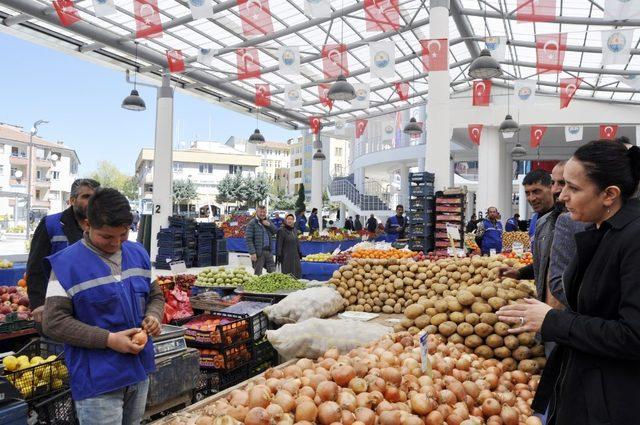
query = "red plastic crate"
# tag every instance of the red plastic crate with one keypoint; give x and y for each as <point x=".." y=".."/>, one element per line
<point x="203" y="329"/>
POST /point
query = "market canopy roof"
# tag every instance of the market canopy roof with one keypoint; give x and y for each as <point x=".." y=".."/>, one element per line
<point x="110" y="39"/>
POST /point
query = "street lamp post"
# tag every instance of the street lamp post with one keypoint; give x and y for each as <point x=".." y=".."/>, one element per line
<point x="32" y="133"/>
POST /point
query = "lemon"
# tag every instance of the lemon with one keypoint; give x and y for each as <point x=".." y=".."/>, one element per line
<point x="63" y="373"/>
<point x="10" y="363"/>
<point x="23" y="358"/>
<point x="51" y="358"/>
<point x="23" y="364"/>
<point x="36" y="361"/>
<point x="57" y="383"/>
<point x="46" y="374"/>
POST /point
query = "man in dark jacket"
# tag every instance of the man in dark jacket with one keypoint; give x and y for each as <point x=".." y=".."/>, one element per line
<point x="314" y="223"/>
<point x="348" y="224"/>
<point x="54" y="233"/>
<point x="372" y="224"/>
<point x="397" y="224"/>
<point x="259" y="234"/>
<point x="357" y="225"/>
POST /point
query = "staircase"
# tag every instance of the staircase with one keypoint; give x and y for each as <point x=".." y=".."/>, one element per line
<point x="342" y="189"/>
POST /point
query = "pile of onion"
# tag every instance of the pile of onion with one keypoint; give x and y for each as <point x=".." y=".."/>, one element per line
<point x="383" y="384"/>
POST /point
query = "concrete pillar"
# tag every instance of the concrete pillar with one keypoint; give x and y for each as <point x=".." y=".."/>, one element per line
<point x="421" y="162"/>
<point x="162" y="159"/>
<point x="507" y="180"/>
<point x="343" y="212"/>
<point x="316" y="184"/>
<point x="522" y="199"/>
<point x="358" y="179"/>
<point x="404" y="186"/>
<point x="422" y="117"/>
<point x="438" y="118"/>
<point x="492" y="173"/>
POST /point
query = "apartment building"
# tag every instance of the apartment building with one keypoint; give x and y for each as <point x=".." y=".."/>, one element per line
<point x="273" y="155"/>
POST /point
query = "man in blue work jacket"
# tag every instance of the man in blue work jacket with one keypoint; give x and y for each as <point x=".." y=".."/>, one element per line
<point x="489" y="233"/>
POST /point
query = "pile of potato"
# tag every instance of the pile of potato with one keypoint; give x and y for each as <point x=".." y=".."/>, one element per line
<point x="508" y="238"/>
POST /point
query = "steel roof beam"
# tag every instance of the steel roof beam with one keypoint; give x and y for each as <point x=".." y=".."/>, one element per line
<point x="558" y="19"/>
<point x="15" y="20"/>
<point x="568" y="69"/>
<point x="464" y="28"/>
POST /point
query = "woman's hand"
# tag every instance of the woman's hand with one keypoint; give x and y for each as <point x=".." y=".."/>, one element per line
<point x="528" y="315"/>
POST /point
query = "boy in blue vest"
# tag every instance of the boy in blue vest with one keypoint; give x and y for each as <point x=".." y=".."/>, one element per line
<point x="99" y="295"/>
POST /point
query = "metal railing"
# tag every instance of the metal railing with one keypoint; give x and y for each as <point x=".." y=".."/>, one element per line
<point x="343" y="187"/>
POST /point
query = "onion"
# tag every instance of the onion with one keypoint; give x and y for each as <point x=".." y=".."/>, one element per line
<point x="238" y="398"/>
<point x="392" y="375"/>
<point x="292" y="371"/>
<point x="301" y="399"/>
<point x="492" y="379"/>
<point x="397" y="348"/>
<point x="509" y="415"/>
<point x="257" y="416"/>
<point x="305" y="364"/>
<point x="533" y="420"/>
<point x="420" y="404"/>
<point x="491" y="407"/>
<point x="390" y="417"/>
<point x="306" y="411"/>
<point x="447" y="397"/>
<point x="275" y="411"/>
<point x="392" y="394"/>
<point x="364" y="400"/>
<point x="434" y="418"/>
<point x="308" y="391"/>
<point x="327" y="391"/>
<point x="358" y="385"/>
<point x="238" y="412"/>
<point x="274" y="373"/>
<point x="384" y="406"/>
<point x="259" y="396"/>
<point x="360" y="367"/>
<point x="326" y="363"/>
<point x="365" y="415"/>
<point x="291" y="385"/>
<point x="471" y="388"/>
<point x="316" y="379"/>
<point x="329" y="412"/>
<point x="347" y="400"/>
<point x="332" y="353"/>
<point x="286" y="419"/>
<point x="204" y="420"/>
<point x="284" y="399"/>
<point x="348" y="418"/>
<point x="454" y="419"/>
<point x="303" y="423"/>
<point x="343" y="374"/>
<point x="273" y="384"/>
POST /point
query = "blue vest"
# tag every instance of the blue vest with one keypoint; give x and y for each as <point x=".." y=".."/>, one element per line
<point x="57" y="237"/>
<point x="492" y="238"/>
<point x="277" y="222"/>
<point x="302" y="223"/>
<point x="395" y="224"/>
<point x="313" y="222"/>
<point x="512" y="225"/>
<point x="99" y="299"/>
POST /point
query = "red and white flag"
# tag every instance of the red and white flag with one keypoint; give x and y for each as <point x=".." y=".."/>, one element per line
<point x="608" y="131"/>
<point x="147" y="15"/>
<point x="537" y="133"/>
<point x="435" y="54"/>
<point x="66" y="11"/>
<point x="382" y="15"/>
<point x="481" y="92"/>
<point x="256" y="17"/>
<point x="550" y="50"/>
<point x="568" y="88"/>
<point x="475" y="131"/>
<point x="403" y="90"/>
<point x="361" y="126"/>
<point x="323" y="94"/>
<point x="248" y="63"/>
<point x="334" y="60"/>
<point x="175" y="60"/>
<point x="314" y="124"/>
<point x="263" y="95"/>
<point x="536" y="10"/>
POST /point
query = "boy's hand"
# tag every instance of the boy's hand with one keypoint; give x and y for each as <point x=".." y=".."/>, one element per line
<point x="122" y="343"/>
<point x="151" y="325"/>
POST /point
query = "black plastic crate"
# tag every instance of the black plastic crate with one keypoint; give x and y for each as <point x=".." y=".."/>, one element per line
<point x="58" y="409"/>
<point x="219" y="246"/>
<point x="422" y="177"/>
<point x="213" y="381"/>
<point x="259" y="322"/>
<point x="175" y="375"/>
<point x="264" y="352"/>
<point x="221" y="259"/>
<point x="227" y="359"/>
<point x="238" y="330"/>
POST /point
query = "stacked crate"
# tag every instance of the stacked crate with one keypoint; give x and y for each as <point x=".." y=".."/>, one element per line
<point x="449" y="211"/>
<point x="170" y="247"/>
<point x="206" y="234"/>
<point x="188" y="228"/>
<point x="420" y="214"/>
<point x="220" y="256"/>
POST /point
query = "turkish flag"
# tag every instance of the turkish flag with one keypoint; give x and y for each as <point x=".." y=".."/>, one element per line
<point x="568" y="87"/>
<point x="263" y="95"/>
<point x="481" y="92"/>
<point x="256" y="17"/>
<point x="382" y="15"/>
<point x="361" y="125"/>
<point x="537" y="133"/>
<point x="435" y="54"/>
<point x="147" y="16"/>
<point x="550" y="50"/>
<point x="334" y="60"/>
<point x="323" y="94"/>
<point x="403" y="90"/>
<point x="475" y="131"/>
<point x="314" y="124"/>
<point x="608" y="131"/>
<point x="175" y="61"/>
<point x="248" y="63"/>
<point x="536" y="10"/>
<point x="66" y="11"/>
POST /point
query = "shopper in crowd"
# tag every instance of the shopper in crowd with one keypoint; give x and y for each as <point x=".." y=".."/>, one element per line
<point x="357" y="224"/>
<point x="472" y="224"/>
<point x="301" y="223"/>
<point x="592" y="375"/>
<point x="100" y="295"/>
<point x="480" y="217"/>
<point x="489" y="232"/>
<point x="136" y="220"/>
<point x="54" y="233"/>
<point x="277" y="220"/>
<point x="259" y="236"/>
<point x="324" y="222"/>
<point x="348" y="224"/>
<point x="397" y="224"/>
<point x="512" y="224"/>
<point x="372" y="224"/>
<point x="314" y="223"/>
<point x="288" y="252"/>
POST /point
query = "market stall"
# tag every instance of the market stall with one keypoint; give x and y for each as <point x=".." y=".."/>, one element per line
<point x="11" y="273"/>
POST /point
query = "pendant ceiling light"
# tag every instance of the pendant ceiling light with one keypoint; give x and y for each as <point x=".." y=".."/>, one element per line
<point x="256" y="137"/>
<point x="341" y="90"/>
<point x="134" y="102"/>
<point x="518" y="151"/>
<point x="413" y="128"/>
<point x="319" y="156"/>
<point x="509" y="127"/>
<point x="317" y="144"/>
<point x="484" y="67"/>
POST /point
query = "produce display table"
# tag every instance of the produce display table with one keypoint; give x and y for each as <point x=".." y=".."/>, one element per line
<point x="10" y="277"/>
<point x="318" y="271"/>
<point x="307" y="247"/>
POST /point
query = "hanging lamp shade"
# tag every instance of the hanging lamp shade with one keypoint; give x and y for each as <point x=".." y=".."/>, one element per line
<point x="134" y="102"/>
<point x="509" y="127"/>
<point x="256" y="137"/>
<point x="484" y="66"/>
<point x="518" y="151"/>
<point x="319" y="156"/>
<point x="413" y="128"/>
<point x="341" y="90"/>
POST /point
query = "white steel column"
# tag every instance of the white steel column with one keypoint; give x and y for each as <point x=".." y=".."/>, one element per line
<point x="316" y="184"/>
<point x="438" y="114"/>
<point x="162" y="159"/>
<point x="491" y="172"/>
<point x="422" y="117"/>
<point x="404" y="186"/>
<point x="406" y="116"/>
<point x="506" y="183"/>
<point x="358" y="179"/>
<point x="522" y="199"/>
<point x="421" y="162"/>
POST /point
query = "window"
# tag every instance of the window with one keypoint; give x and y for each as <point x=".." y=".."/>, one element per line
<point x="55" y="175"/>
<point x="337" y="170"/>
<point x="206" y="168"/>
<point x="298" y="162"/>
<point x="177" y="166"/>
<point x="297" y="174"/>
<point x="38" y="175"/>
<point x="338" y="151"/>
<point x="37" y="194"/>
<point x="15" y="151"/>
<point x="74" y="167"/>
<point x="235" y="169"/>
<point x="13" y="171"/>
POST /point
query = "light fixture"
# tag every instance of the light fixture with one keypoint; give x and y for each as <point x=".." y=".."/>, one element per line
<point x="518" y="151"/>
<point x="18" y="174"/>
<point x="484" y="66"/>
<point x="54" y="157"/>
<point x="319" y="156"/>
<point x="509" y="127"/>
<point x="256" y="137"/>
<point x="341" y="90"/>
<point x="134" y="102"/>
<point x="413" y="128"/>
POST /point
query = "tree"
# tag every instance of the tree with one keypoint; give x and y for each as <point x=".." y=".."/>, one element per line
<point x="184" y="191"/>
<point x="262" y="186"/>
<point x="110" y="176"/>
<point x="283" y="203"/>
<point x="300" y="205"/>
<point x="225" y="190"/>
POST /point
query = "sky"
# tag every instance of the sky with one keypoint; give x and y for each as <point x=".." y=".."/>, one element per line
<point x="81" y="100"/>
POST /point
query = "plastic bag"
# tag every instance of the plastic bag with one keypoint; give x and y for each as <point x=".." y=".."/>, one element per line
<point x="176" y="306"/>
<point x="313" y="337"/>
<point x="302" y="305"/>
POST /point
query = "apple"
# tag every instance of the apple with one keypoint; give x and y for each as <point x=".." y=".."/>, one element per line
<point x="3" y="289"/>
<point x="5" y="297"/>
<point x="12" y="289"/>
<point x="23" y="301"/>
<point x="4" y="309"/>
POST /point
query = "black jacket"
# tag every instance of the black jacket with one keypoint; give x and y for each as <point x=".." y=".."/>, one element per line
<point x="593" y="375"/>
<point x="37" y="271"/>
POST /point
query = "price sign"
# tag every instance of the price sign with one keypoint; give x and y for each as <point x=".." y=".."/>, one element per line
<point x="451" y="252"/>
<point x="518" y="248"/>
<point x="453" y="232"/>
<point x="424" y="351"/>
<point x="492" y="252"/>
<point x="178" y="267"/>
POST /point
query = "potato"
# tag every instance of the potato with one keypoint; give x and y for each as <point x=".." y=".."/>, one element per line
<point x="422" y="321"/>
<point x="473" y="341"/>
<point x="489" y="318"/>
<point x="494" y="341"/>
<point x="488" y="292"/>
<point x="526" y="338"/>
<point x="447" y="328"/>
<point x="441" y="306"/>
<point x="465" y="298"/>
<point x="479" y="308"/>
<point x="399" y="328"/>
<point x="455" y="339"/>
<point x="521" y="353"/>
<point x="541" y="361"/>
<point x="387" y="309"/>
<point x="511" y="342"/>
<point x="484" y="351"/>
<point x="431" y="329"/>
<point x="456" y="316"/>
<point x="501" y="328"/>
<point x="465" y="329"/>
<point x="454" y="305"/>
<point x="376" y="309"/>
<point x="502" y="352"/>
<point x="537" y="351"/>
<point x="431" y="311"/>
<point x="483" y="330"/>
<point x="413" y="311"/>
<point x="472" y="319"/>
<point x="414" y="330"/>
<point x="509" y="365"/>
<point x="496" y="303"/>
<point x="397" y="308"/>
<point x="439" y="318"/>
<point x="529" y="366"/>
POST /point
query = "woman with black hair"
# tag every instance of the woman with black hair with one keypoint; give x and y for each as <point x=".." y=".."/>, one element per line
<point x="592" y="375"/>
<point x="288" y="252"/>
